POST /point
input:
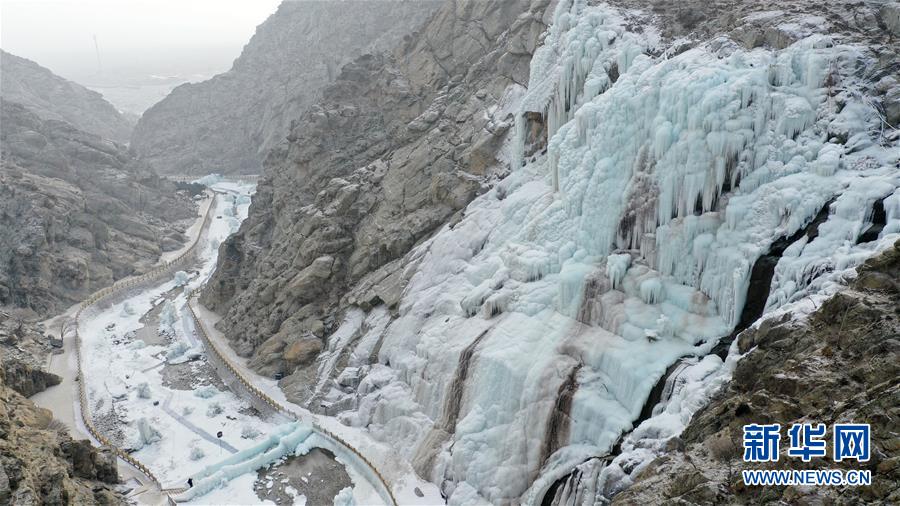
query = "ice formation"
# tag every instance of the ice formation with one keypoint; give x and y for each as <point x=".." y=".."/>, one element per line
<point x="167" y="318"/>
<point x="181" y="277"/>
<point x="206" y="391"/>
<point x="282" y="441"/>
<point x="209" y="180"/>
<point x="214" y="409"/>
<point x="127" y="310"/>
<point x="249" y="432"/>
<point x="344" y="497"/>
<point x="143" y="390"/>
<point x="532" y="332"/>
<point x="146" y="434"/>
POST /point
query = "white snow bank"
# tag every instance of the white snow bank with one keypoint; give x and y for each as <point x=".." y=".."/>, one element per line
<point x="344" y="497"/>
<point x="209" y="180"/>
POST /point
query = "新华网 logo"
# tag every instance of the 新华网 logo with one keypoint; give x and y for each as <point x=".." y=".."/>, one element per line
<point x="850" y="441"/>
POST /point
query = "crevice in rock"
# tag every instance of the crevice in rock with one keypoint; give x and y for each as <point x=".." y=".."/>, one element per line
<point x="423" y="461"/>
<point x="662" y="391"/>
<point x="557" y="431"/>
<point x="879" y="220"/>
<point x="570" y="489"/>
<point x="761" y="279"/>
<point x="457" y="388"/>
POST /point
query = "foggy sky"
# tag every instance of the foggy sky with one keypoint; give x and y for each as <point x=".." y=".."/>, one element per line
<point x="59" y="33"/>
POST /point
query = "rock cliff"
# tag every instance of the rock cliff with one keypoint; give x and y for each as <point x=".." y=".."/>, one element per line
<point x="228" y="123"/>
<point x="400" y="143"/>
<point x="510" y="319"/>
<point x="78" y="213"/>
<point x="41" y="464"/>
<point x="51" y="97"/>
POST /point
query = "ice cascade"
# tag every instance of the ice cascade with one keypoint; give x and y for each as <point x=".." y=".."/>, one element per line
<point x="570" y="288"/>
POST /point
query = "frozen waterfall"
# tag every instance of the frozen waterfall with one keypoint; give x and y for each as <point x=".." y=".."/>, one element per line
<point x="571" y="287"/>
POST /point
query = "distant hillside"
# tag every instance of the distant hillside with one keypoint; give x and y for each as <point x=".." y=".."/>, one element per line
<point x="53" y="98"/>
<point x="228" y="123"/>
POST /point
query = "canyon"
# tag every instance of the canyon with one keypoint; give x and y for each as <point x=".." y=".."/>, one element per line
<point x="549" y="252"/>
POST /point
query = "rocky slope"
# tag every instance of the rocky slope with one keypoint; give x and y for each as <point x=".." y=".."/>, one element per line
<point x="24" y="347"/>
<point x="41" y="464"/>
<point x="838" y="364"/>
<point x="51" y="97"/>
<point x="79" y="213"/>
<point x="399" y="143"/>
<point x="228" y="123"/>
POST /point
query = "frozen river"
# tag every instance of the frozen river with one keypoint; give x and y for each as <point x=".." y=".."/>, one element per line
<point x="152" y="391"/>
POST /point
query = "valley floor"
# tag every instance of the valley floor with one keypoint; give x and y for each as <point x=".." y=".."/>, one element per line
<point x="154" y="392"/>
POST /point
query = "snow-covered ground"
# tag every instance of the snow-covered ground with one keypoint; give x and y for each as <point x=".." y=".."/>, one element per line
<point x="171" y="418"/>
<point x="391" y="463"/>
<point x="171" y="422"/>
<point x="170" y="428"/>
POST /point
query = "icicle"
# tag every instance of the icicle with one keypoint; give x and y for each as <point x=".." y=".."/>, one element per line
<point x="652" y="291"/>
<point x="892" y="210"/>
<point x="517" y="156"/>
<point x="616" y="266"/>
<point x="496" y="304"/>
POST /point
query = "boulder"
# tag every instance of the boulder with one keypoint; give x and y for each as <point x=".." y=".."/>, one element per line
<point x="303" y="351"/>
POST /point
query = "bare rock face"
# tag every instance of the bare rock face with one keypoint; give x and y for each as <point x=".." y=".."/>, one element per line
<point x="77" y="212"/>
<point x="51" y="97"/>
<point x="395" y="147"/>
<point x="41" y="464"/>
<point x="27" y="380"/>
<point x="840" y="365"/>
<point x="771" y="23"/>
<point x="228" y="123"/>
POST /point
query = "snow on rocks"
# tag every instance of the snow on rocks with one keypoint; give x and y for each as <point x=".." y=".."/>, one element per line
<point x="627" y="247"/>
<point x="249" y="432"/>
<point x="182" y="278"/>
<point x="344" y="497"/>
<point x="206" y="391"/>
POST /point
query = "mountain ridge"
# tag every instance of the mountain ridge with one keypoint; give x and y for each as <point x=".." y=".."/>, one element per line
<point x="52" y="97"/>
